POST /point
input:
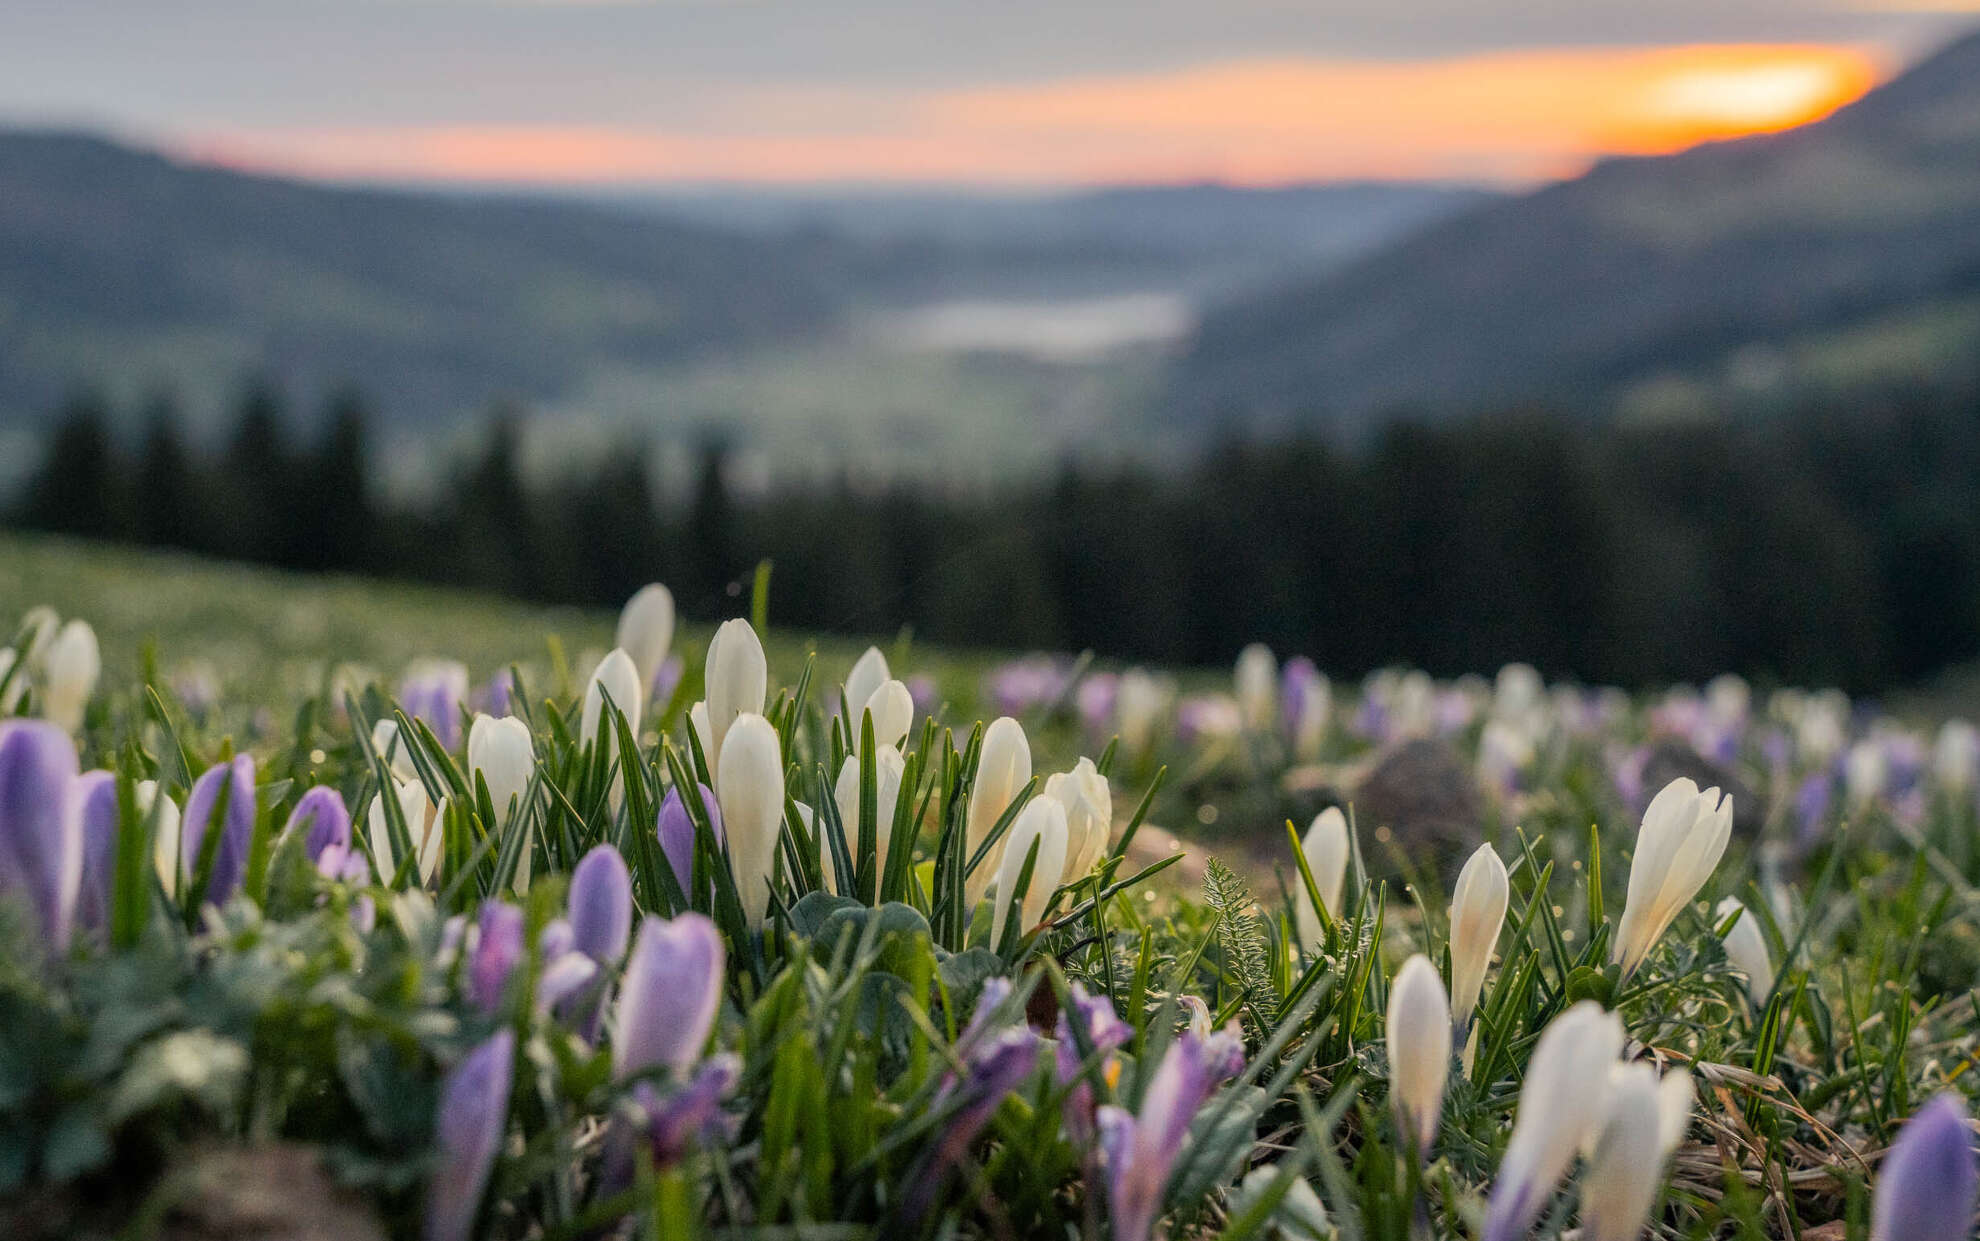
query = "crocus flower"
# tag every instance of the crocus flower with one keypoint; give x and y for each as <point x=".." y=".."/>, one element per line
<point x="750" y="787"/>
<point x="600" y="903"/>
<point x="1419" y="1033"/>
<point x="1928" y="1182"/>
<point x="95" y="793"/>
<point x="433" y="691"/>
<point x="1300" y="1215"/>
<point x="1478" y="911"/>
<point x="565" y="971"/>
<point x="922" y="690"/>
<point x="1094" y="700"/>
<point x="1089" y="803"/>
<point x="617" y="676"/>
<point x="1043" y="821"/>
<point x="321" y="818"/>
<point x="468" y="1133"/>
<point x="674" y="1122"/>
<point x="646" y="629"/>
<point x="667" y="679"/>
<point x="1645" y="1120"/>
<point x="1327" y="852"/>
<point x="1684" y="833"/>
<point x="891" y="707"/>
<point x="670" y="995"/>
<point x="1139" y="1151"/>
<point x="13" y="678"/>
<point x="236" y="829"/>
<point x="1104" y="1032"/>
<point x="676" y="831"/>
<point x="1204" y="718"/>
<point x="1002" y="771"/>
<point x="1560" y="1108"/>
<point x="888" y="768"/>
<point x="1256" y="685"/>
<point x="425" y="825"/>
<point x="1956" y="756"/>
<point x="395" y="750"/>
<point x="996" y="1065"/>
<point x="1865" y="772"/>
<point x="1746" y="948"/>
<point x="503" y="754"/>
<point x="497" y="953"/>
<point x="70" y="671"/>
<point x="164" y="845"/>
<point x="1306" y="700"/>
<point x="1139" y="703"/>
<point x="736" y="680"/>
<point x="868" y="673"/>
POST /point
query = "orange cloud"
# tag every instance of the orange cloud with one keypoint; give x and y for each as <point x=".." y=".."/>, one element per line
<point x="1509" y="116"/>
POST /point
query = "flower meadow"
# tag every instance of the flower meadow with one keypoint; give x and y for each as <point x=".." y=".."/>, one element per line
<point x="684" y="945"/>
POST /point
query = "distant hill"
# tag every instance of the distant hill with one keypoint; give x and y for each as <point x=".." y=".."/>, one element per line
<point x="1818" y="253"/>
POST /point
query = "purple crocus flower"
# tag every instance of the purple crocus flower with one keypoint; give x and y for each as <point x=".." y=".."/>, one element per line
<point x="923" y="692"/>
<point x="670" y="994"/>
<point x="41" y="847"/>
<point x="497" y="953"/>
<point x="1105" y="1031"/>
<point x="468" y="1133"/>
<point x="96" y="803"/>
<point x="1928" y="1184"/>
<point x="347" y="865"/>
<point x="565" y="970"/>
<point x="995" y="1066"/>
<point x="676" y="830"/>
<point x="1094" y="700"/>
<point x="1299" y="691"/>
<point x="691" y="1114"/>
<point x="433" y="691"/>
<point x="1811" y="809"/>
<point x="600" y="905"/>
<point x="667" y="679"/>
<point x="236" y="830"/>
<point x="321" y="816"/>
<point x="1139" y="1151"/>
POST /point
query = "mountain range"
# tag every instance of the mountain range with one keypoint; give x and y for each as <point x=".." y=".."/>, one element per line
<point x="1841" y="252"/>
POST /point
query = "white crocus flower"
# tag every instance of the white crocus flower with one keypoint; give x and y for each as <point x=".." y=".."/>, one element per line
<point x="868" y="673"/>
<point x="1646" y="1120"/>
<point x="502" y="752"/>
<point x="1043" y="820"/>
<point x="1327" y="849"/>
<point x="1562" y="1105"/>
<point x="396" y="752"/>
<point x="1955" y="756"/>
<point x="1478" y="911"/>
<point x="1300" y="1215"/>
<point x="70" y="671"/>
<point x="892" y="707"/>
<point x="736" y="680"/>
<point x="888" y="767"/>
<point x="1256" y="684"/>
<point x="424" y="825"/>
<point x="617" y="676"/>
<point x="646" y="630"/>
<point x="1002" y="771"/>
<point x="1419" y="1034"/>
<point x="749" y="786"/>
<point x="1746" y="948"/>
<point x="1865" y="772"/>
<point x="1684" y="834"/>
<point x="165" y="845"/>
<point x="1089" y="803"/>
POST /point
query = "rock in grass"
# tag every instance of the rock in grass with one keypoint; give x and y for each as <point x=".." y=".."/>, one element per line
<point x="1674" y="759"/>
<point x="1424" y="794"/>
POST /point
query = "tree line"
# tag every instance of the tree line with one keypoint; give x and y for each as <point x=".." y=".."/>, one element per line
<point x="1833" y="545"/>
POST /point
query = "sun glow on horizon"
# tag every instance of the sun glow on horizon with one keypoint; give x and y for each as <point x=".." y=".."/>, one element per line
<point x="1504" y="116"/>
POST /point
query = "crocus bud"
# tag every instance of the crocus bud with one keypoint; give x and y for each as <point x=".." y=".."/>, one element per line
<point x="618" y="676"/>
<point x="1300" y="1216"/>
<point x="41" y="847"/>
<point x="892" y="709"/>
<point x="69" y="678"/>
<point x="670" y="995"/>
<point x="1419" y="1033"/>
<point x="1560" y="1106"/>
<point x="468" y="1132"/>
<point x="736" y="680"/>
<point x="236" y="829"/>
<point x="1684" y="833"/>
<point x="1955" y="756"/>
<point x="1327" y="850"/>
<point x="1644" y="1122"/>
<point x="1089" y="803"/>
<point x="1256" y="684"/>
<point x="750" y="787"/>
<point x="646" y="630"/>
<point x="165" y="845"/>
<point x="1866" y="769"/>
<point x="504" y="754"/>
<point x="1746" y="948"/>
<point x="425" y="827"/>
<point x="600" y="904"/>
<point x="322" y="820"/>
<point x="676" y="831"/>
<point x="497" y="953"/>
<point x="95" y="793"/>
<point x="1306" y="701"/>
<point x="1926" y="1189"/>
<point x="867" y="675"/>
<point x="1138" y="1152"/>
<point x="1001" y="773"/>
<point x="1478" y="911"/>
<point x="432" y="692"/>
<point x="393" y="749"/>
<point x="1042" y="820"/>
<point x="888" y="768"/>
<point x="1139" y="701"/>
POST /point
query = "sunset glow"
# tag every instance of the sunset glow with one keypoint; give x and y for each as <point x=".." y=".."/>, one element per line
<point x="1510" y="116"/>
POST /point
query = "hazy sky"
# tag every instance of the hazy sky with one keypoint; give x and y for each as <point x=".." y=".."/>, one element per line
<point x="1004" y="91"/>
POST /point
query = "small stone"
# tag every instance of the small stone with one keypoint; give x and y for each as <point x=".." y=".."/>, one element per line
<point x="1425" y="795"/>
<point x="1673" y="759"/>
